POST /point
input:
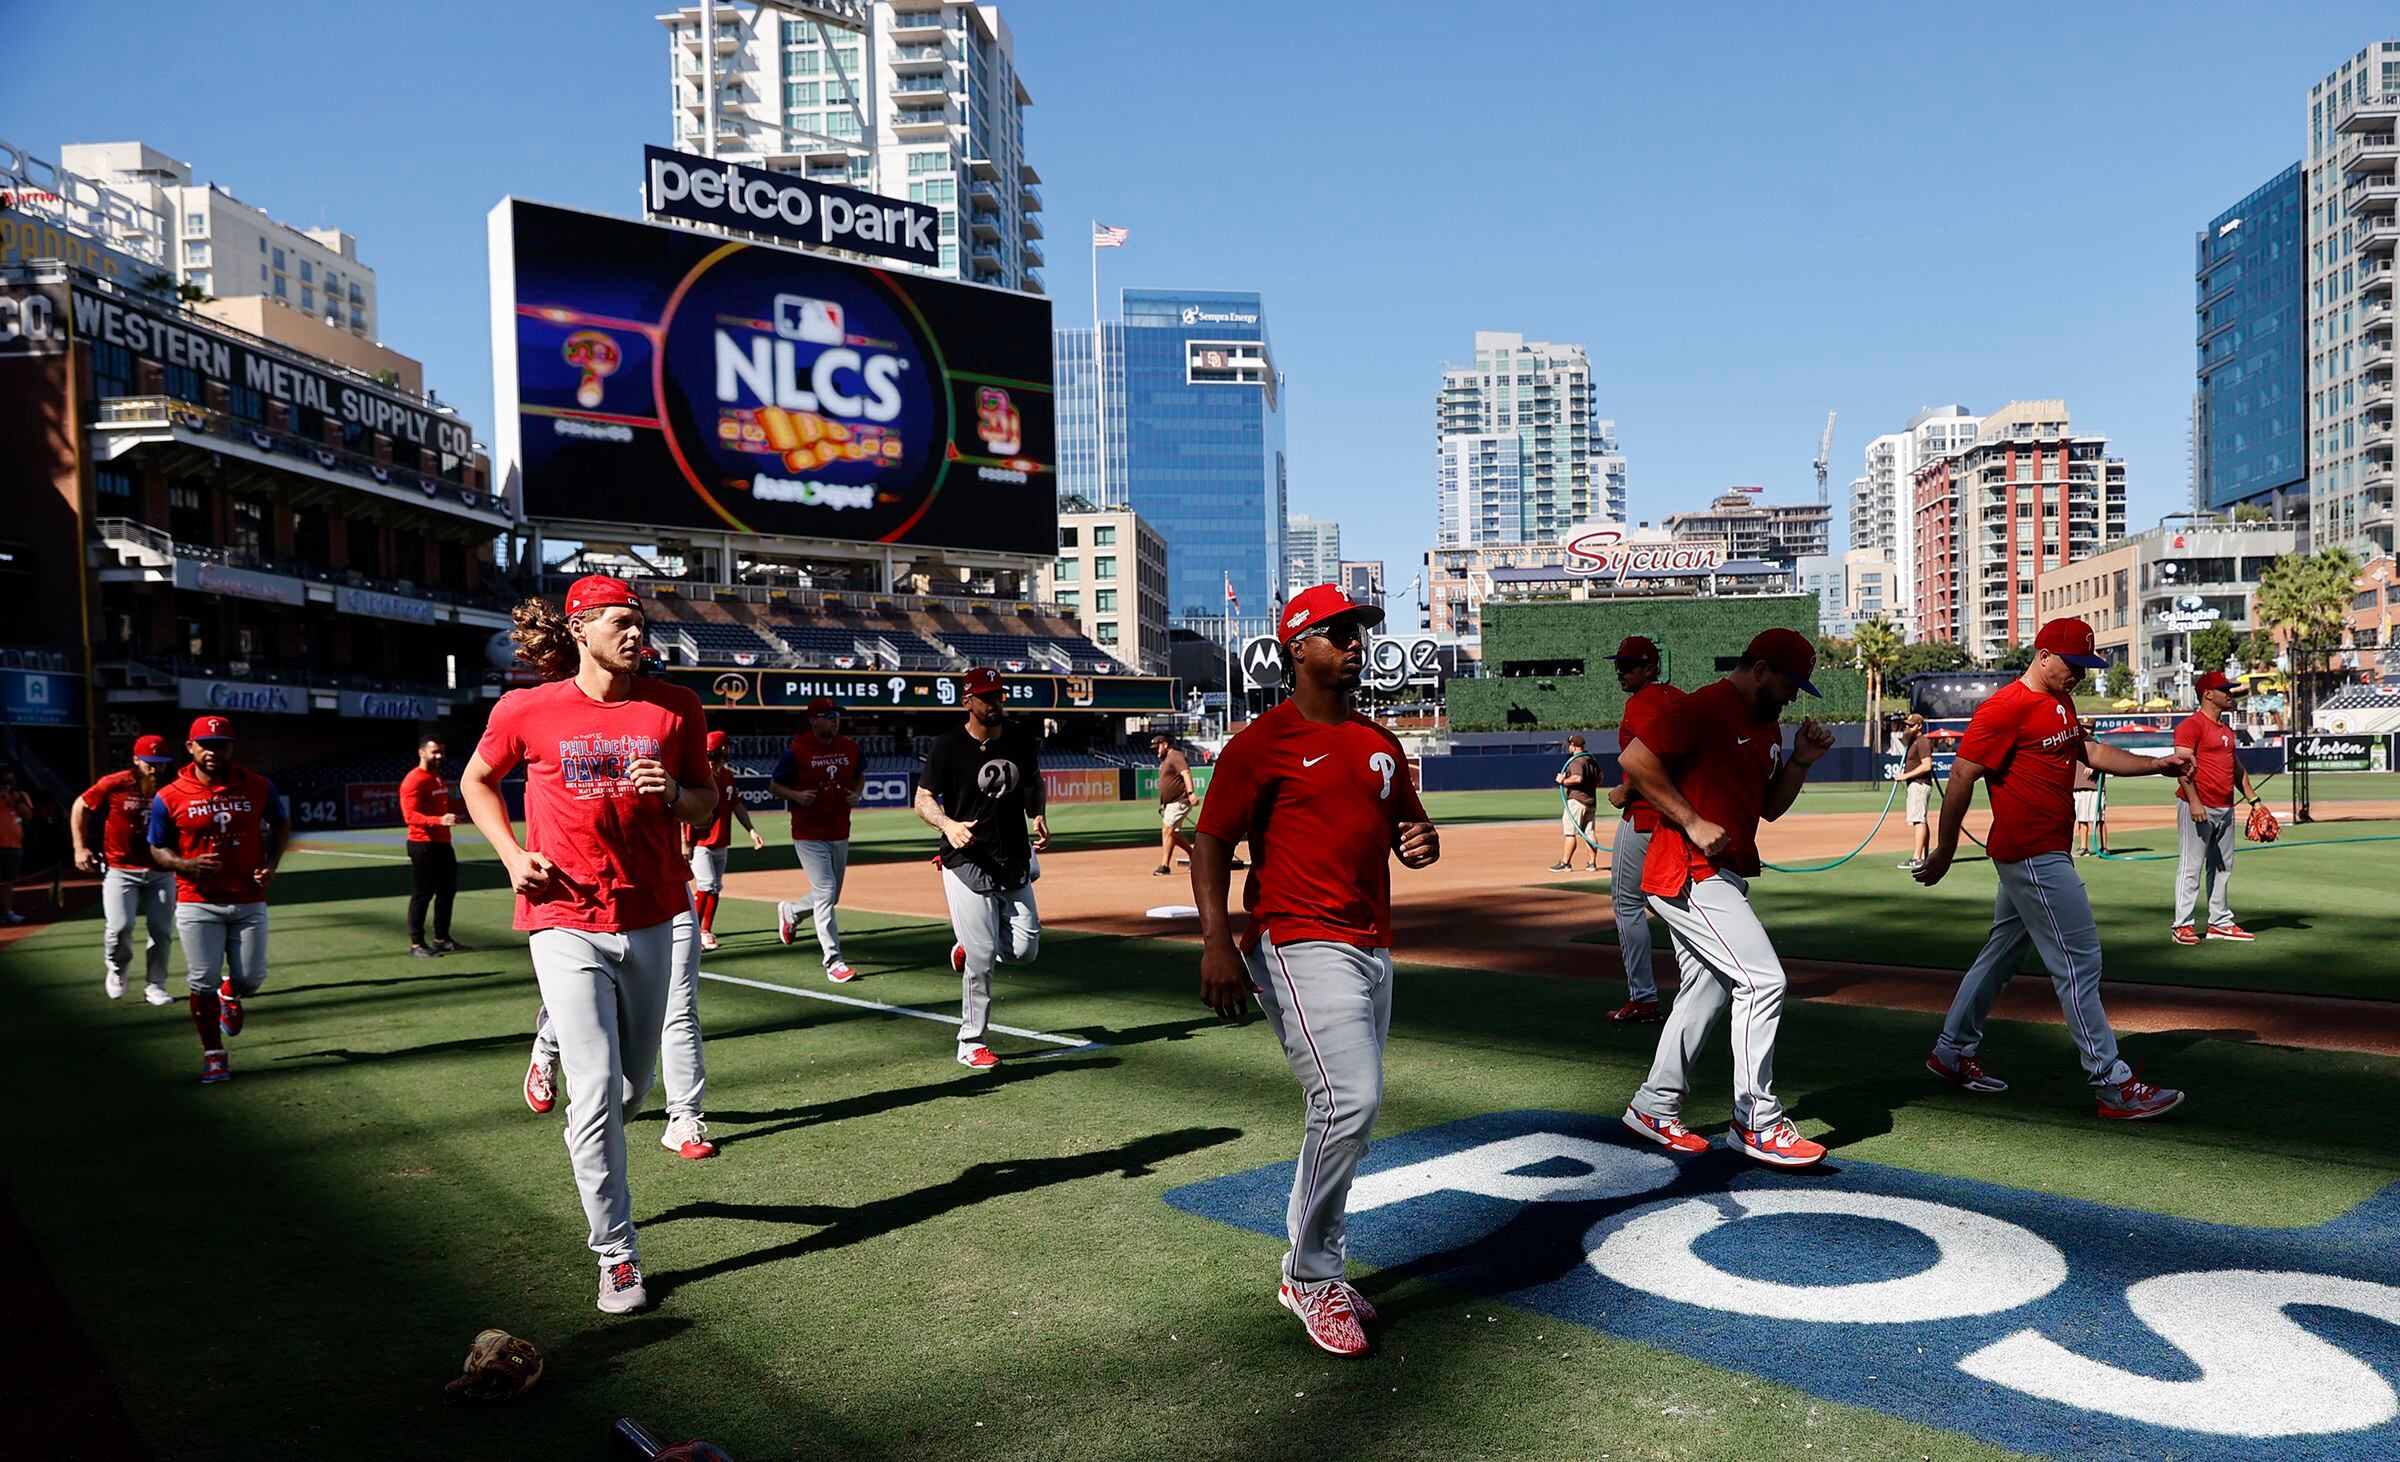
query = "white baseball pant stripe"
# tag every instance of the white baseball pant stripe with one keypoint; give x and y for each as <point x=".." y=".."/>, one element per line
<point x="2041" y="906"/>
<point x="826" y="862"/>
<point x="1331" y="1006"/>
<point x="147" y="894"/>
<point x="708" y="868"/>
<point x="607" y="996"/>
<point x="1726" y="960"/>
<point x="684" y="1072"/>
<point x="1633" y="911"/>
<point x="2205" y="857"/>
<point x="223" y="938"/>
<point x="994" y="928"/>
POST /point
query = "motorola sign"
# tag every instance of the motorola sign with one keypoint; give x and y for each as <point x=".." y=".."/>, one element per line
<point x="1262" y="664"/>
<point x="783" y="206"/>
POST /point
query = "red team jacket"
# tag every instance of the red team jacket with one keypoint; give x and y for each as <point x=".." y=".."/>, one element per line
<point x="190" y="817"/>
<point x="424" y="799"/>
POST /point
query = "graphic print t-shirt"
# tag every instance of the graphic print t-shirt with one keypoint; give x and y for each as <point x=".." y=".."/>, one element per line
<point x="618" y="851"/>
<point x="983" y="784"/>
<point x="829" y="768"/>
<point x="1721" y="758"/>
<point x="2027" y="740"/>
<point x="124" y="814"/>
<point x="190" y="817"/>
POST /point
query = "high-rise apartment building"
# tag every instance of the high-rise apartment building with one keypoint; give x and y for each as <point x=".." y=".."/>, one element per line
<point x="226" y="248"/>
<point x="2353" y="234"/>
<point x="2250" y="410"/>
<point x="2029" y="497"/>
<point x="1362" y="580"/>
<point x="925" y="103"/>
<point x="1522" y="455"/>
<point x="1111" y="574"/>
<point x="1780" y="533"/>
<point x="1313" y="549"/>
<point x="1882" y="505"/>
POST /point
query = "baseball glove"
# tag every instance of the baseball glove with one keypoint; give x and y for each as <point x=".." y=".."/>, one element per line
<point x="2262" y="827"/>
<point x="500" y="1367"/>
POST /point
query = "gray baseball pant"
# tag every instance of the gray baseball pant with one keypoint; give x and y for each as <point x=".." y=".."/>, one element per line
<point x="606" y="994"/>
<point x="1726" y="960"/>
<point x="1331" y="1006"/>
<point x="2041" y="906"/>
<point x="147" y="893"/>
<point x="708" y="868"/>
<point x="2205" y="858"/>
<point x="1003" y="928"/>
<point x="1633" y="911"/>
<point x="825" y="863"/>
<point x="226" y="938"/>
<point x="679" y="1058"/>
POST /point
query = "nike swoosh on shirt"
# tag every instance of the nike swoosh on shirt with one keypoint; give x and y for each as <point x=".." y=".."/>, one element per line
<point x="1741" y="741"/>
<point x="1312" y="761"/>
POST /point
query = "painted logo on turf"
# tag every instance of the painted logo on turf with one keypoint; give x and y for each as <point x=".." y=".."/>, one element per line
<point x="2025" y="1320"/>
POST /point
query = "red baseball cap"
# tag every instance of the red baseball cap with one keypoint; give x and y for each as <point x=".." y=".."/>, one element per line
<point x="153" y="749"/>
<point x="2071" y="641"/>
<point x="981" y="682"/>
<point x="599" y="591"/>
<point x="716" y="742"/>
<point x="824" y="705"/>
<point x="1322" y="604"/>
<point x="1788" y="653"/>
<point x="211" y="728"/>
<point x="1637" y="649"/>
<point x="2215" y="680"/>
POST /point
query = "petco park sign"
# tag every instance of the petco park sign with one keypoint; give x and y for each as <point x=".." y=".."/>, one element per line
<point x="2026" y="1320"/>
<point x="779" y="205"/>
<point x="1596" y="551"/>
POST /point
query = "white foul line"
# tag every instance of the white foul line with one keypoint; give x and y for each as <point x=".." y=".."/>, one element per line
<point x="1075" y="1042"/>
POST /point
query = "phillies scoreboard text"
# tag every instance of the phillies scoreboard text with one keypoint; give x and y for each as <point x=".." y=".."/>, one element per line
<point x="657" y="375"/>
<point x="790" y="690"/>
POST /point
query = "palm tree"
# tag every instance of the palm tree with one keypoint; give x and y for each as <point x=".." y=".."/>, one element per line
<point x="1876" y="645"/>
<point x="2306" y="600"/>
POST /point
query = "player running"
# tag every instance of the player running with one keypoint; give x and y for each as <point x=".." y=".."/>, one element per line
<point x="2204" y="832"/>
<point x="432" y="862"/>
<point x="2025" y="742"/>
<point x="821" y="777"/>
<point x="709" y="847"/>
<point x="132" y="886"/>
<point x="1646" y="695"/>
<point x="1712" y="765"/>
<point x="983" y="784"/>
<point x="219" y="827"/>
<point x="613" y="761"/>
<point x="1324" y="796"/>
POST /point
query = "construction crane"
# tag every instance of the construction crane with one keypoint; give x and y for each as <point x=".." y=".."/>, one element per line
<point x="1824" y="452"/>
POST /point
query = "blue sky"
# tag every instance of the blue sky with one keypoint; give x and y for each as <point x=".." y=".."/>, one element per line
<point x="1751" y="215"/>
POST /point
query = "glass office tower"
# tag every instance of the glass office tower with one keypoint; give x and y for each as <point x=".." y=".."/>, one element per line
<point x="2250" y="413"/>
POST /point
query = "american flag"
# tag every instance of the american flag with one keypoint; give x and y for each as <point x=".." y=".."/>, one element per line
<point x="1233" y="601"/>
<point x="1105" y="237"/>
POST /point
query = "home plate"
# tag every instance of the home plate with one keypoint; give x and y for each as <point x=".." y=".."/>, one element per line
<point x="1175" y="911"/>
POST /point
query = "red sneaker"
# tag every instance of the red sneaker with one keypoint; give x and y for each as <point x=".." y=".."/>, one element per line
<point x="1328" y="1315"/>
<point x="979" y="1057"/>
<point x="958" y="958"/>
<point x="2233" y="932"/>
<point x="687" y="1137"/>
<point x="1968" y="1073"/>
<point x="1780" y="1145"/>
<point x="784" y="923"/>
<point x="1667" y="1132"/>
<point x="541" y="1088"/>
<point x="1636" y="1012"/>
<point x="214" y="1068"/>
<point x="840" y="973"/>
<point x="1360" y="1305"/>
<point x="2185" y="934"/>
<point x="229" y="1009"/>
<point x="2137" y="1100"/>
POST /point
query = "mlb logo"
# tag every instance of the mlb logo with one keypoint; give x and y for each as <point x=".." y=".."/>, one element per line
<point x="819" y="322"/>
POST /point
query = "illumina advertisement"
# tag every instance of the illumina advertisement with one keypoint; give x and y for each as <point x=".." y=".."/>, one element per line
<point x="655" y="375"/>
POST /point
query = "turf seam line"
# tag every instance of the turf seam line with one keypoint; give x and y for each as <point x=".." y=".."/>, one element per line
<point x="1071" y="1042"/>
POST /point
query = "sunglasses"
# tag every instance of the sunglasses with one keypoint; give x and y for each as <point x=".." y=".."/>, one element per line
<point x="1339" y="632"/>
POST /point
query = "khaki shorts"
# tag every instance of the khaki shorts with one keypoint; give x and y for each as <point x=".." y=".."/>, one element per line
<point x="2088" y="805"/>
<point x="1575" y="819"/>
<point x="1920" y="801"/>
<point x="1172" y="814"/>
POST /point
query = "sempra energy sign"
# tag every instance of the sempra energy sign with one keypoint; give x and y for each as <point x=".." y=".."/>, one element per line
<point x="782" y="206"/>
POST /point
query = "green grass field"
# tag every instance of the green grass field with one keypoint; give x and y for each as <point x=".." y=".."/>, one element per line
<point x="894" y="1257"/>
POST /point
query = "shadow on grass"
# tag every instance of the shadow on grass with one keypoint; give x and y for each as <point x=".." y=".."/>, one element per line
<point x="344" y="1056"/>
<point x="838" y="1227"/>
<point x="437" y="977"/>
<point x="873" y="1103"/>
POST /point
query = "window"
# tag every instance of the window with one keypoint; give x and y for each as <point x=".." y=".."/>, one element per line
<point x="279" y="290"/>
<point x="249" y="526"/>
<point x="1104" y="601"/>
<point x="921" y="163"/>
<point x="308" y="299"/>
<point x="1066" y="536"/>
<point x="195" y="252"/>
<point x="1070" y="570"/>
<point x="201" y="281"/>
<point x="1107" y="634"/>
<point x="1105" y="567"/>
<point x="358" y="321"/>
<point x="262" y="243"/>
<point x="278" y="258"/>
<point x="1104" y="536"/>
<point x="187" y="518"/>
<point x="115" y="487"/>
<point x="308" y="272"/>
<point x="800" y="93"/>
<point x="356" y="298"/>
<point x="1069" y="598"/>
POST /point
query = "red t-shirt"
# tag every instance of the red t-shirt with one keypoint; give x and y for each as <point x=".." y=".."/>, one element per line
<point x="123" y="811"/>
<point x="424" y="801"/>
<point x="2212" y="759"/>
<point x="190" y="817"/>
<point x="1641" y="708"/>
<point x="719" y="832"/>
<point x="1320" y="805"/>
<point x="619" y="856"/>
<point x="2027" y="740"/>
<point x="1722" y="759"/>
<point x="831" y="768"/>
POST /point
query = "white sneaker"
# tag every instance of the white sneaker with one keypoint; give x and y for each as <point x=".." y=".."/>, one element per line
<point x="687" y="1136"/>
<point x="157" y="995"/>
<point x="115" y="986"/>
<point x="621" y="1291"/>
<point x="707" y="940"/>
<point x="15" y="918"/>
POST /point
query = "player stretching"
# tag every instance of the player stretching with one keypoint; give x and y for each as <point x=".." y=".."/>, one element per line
<point x="432" y="862"/>
<point x="820" y="776"/>
<point x="709" y="847"/>
<point x="219" y="828"/>
<point x="1712" y="765"/>
<point x="983" y="782"/>
<point x="2025" y="742"/>
<point x="613" y="762"/>
<point x="1646" y="694"/>
<point x="1324" y="796"/>
<point x="133" y="886"/>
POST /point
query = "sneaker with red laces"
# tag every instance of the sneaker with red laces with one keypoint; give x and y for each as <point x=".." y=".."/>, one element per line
<point x="541" y="1086"/>
<point x="1667" y="1132"/>
<point x="1636" y="1012"/>
<point x="1328" y="1314"/>
<point x="621" y="1291"/>
<point x="979" y="1057"/>
<point x="1779" y="1143"/>
<point x="785" y="924"/>
<point x="958" y="958"/>
<point x="229" y="1009"/>
<point x="687" y="1137"/>
<point x="214" y="1068"/>
<point x="840" y="973"/>
<point x="2185" y="934"/>
<point x="1968" y="1073"/>
<point x="2234" y="932"/>
<point x="2137" y="1100"/>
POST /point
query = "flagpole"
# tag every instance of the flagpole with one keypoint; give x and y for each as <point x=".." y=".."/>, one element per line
<point x="1099" y="378"/>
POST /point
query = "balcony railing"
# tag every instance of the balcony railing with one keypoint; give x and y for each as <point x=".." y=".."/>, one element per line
<point x="128" y="530"/>
<point x="183" y="416"/>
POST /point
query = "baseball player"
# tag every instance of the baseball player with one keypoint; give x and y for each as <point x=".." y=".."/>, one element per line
<point x="2205" y="834"/>
<point x="1174" y="802"/>
<point x="132" y="885"/>
<point x="1581" y="779"/>
<point x="1645" y="696"/>
<point x="821" y="777"/>
<point x="709" y="847"/>
<point x="1325" y="798"/>
<point x="2024" y="741"/>
<point x="1712" y="764"/>
<point x="219" y="827"/>
<point x="432" y="862"/>
<point x="1916" y="776"/>
<point x="983" y="785"/>
<point x="614" y="761"/>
